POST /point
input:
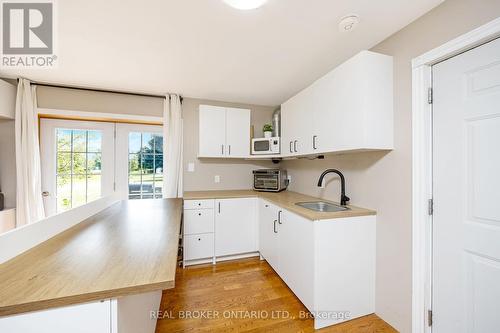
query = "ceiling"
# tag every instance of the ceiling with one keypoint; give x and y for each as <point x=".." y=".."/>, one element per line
<point x="206" y="49"/>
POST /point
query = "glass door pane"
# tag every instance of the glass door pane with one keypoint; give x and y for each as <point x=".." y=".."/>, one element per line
<point x="145" y="165"/>
<point x="77" y="162"/>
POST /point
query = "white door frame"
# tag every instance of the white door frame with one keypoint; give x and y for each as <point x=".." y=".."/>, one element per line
<point x="422" y="164"/>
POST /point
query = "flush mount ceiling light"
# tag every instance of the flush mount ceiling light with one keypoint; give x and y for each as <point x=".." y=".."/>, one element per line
<point x="348" y="23"/>
<point x="245" y="4"/>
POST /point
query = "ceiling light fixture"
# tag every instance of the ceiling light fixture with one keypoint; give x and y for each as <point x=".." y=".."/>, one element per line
<point x="245" y="4"/>
<point x="348" y="23"/>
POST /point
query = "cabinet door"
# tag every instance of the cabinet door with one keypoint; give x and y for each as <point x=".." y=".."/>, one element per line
<point x="237" y="132"/>
<point x="268" y="233"/>
<point x="235" y="226"/>
<point x="296" y="255"/>
<point x="212" y="131"/>
<point x="297" y="124"/>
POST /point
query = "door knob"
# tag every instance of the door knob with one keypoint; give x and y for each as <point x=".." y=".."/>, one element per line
<point x="45" y="193"/>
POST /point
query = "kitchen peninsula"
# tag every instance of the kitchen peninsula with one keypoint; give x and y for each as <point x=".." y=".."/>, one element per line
<point x="105" y="274"/>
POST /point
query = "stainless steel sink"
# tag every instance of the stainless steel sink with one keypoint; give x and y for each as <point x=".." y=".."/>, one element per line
<point x="322" y="206"/>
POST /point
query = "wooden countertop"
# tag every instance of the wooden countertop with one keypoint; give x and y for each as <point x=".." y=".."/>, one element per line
<point x="284" y="199"/>
<point x="129" y="248"/>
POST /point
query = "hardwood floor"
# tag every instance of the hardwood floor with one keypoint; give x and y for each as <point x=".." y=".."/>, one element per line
<point x="242" y="296"/>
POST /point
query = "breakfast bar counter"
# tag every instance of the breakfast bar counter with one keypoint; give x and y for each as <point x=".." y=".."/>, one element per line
<point x="128" y="248"/>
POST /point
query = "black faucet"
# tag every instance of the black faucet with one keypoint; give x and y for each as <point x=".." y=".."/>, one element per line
<point x="343" y="198"/>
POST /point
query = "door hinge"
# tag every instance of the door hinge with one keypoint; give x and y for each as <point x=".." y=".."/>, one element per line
<point x="429" y="317"/>
<point x="430" y="96"/>
<point x="431" y="206"/>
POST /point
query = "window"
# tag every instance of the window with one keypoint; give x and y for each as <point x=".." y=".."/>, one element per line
<point x="78" y="167"/>
<point x="145" y="166"/>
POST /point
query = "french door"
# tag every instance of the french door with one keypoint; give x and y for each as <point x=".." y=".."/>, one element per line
<point x="139" y="161"/>
<point x="85" y="160"/>
<point x="77" y="162"/>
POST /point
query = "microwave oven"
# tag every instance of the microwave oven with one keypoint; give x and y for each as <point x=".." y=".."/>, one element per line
<point x="263" y="146"/>
<point x="270" y="180"/>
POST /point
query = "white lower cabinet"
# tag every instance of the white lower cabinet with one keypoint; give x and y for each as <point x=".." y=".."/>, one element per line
<point x="199" y="228"/>
<point x="296" y="255"/>
<point x="219" y="229"/>
<point x="268" y="233"/>
<point x="198" y="246"/>
<point x="328" y="264"/>
<point x="236" y="226"/>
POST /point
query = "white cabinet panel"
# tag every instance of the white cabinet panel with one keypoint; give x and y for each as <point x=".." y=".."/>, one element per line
<point x="237" y="132"/>
<point x="268" y="233"/>
<point x="296" y="256"/>
<point x="199" y="204"/>
<point x="212" y="125"/>
<point x="92" y="317"/>
<point x="198" y="246"/>
<point x="348" y="109"/>
<point x="198" y="221"/>
<point x="224" y="132"/>
<point x="235" y="226"/>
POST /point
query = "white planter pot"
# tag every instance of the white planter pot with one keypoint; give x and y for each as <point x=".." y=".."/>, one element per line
<point x="268" y="134"/>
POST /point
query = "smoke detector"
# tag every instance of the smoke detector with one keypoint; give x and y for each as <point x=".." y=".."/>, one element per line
<point x="348" y="23"/>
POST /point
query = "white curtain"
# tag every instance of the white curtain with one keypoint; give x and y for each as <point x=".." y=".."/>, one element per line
<point x="172" y="147"/>
<point x="29" y="206"/>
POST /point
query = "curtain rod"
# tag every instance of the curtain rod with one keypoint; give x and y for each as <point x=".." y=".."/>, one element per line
<point x="43" y="84"/>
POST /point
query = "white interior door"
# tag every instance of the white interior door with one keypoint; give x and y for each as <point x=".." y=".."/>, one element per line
<point x="139" y="161"/>
<point x="466" y="168"/>
<point x="77" y="162"/>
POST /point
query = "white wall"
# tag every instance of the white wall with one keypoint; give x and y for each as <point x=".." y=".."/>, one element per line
<point x="7" y="145"/>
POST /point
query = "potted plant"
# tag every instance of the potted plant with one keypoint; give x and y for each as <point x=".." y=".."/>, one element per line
<point x="268" y="130"/>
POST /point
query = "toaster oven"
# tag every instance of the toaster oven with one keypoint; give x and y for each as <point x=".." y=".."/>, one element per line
<point x="270" y="180"/>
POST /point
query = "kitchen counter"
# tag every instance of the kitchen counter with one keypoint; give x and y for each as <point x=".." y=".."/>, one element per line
<point x="128" y="248"/>
<point x="284" y="199"/>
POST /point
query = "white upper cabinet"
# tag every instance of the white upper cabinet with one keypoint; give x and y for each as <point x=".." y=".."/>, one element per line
<point x="237" y="132"/>
<point x="212" y="131"/>
<point x="224" y="132"/>
<point x="348" y="109"/>
<point x="7" y="100"/>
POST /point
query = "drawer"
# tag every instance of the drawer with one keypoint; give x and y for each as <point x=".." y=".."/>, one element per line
<point x="198" y="221"/>
<point x="198" y="246"/>
<point x="199" y="204"/>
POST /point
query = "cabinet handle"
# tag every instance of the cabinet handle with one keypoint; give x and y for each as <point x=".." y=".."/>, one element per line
<point x="291" y="151"/>
<point x="267" y="206"/>
<point x="219" y="207"/>
<point x="199" y="239"/>
<point x="279" y="217"/>
<point x="222" y="148"/>
<point x="314" y="142"/>
<point x="295" y="146"/>
<point x="229" y="149"/>
<point x="199" y="214"/>
<point x="274" y="227"/>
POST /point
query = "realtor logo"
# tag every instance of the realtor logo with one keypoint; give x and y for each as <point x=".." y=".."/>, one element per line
<point x="28" y="34"/>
